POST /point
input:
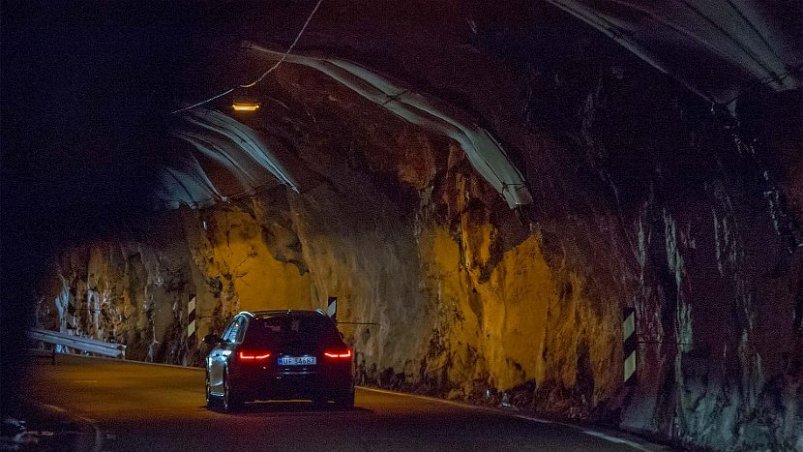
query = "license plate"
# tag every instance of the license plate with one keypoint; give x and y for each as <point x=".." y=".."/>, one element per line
<point x="297" y="360"/>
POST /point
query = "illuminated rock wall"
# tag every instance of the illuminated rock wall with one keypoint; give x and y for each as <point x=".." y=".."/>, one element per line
<point x="136" y="290"/>
<point x="642" y="199"/>
<point x="455" y="295"/>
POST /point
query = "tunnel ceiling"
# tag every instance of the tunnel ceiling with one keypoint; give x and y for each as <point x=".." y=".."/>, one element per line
<point x="715" y="50"/>
<point x="250" y="160"/>
<point x="88" y="112"/>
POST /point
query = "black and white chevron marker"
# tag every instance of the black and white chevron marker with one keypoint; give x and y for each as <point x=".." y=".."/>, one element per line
<point x="191" y="319"/>
<point x="630" y="344"/>
<point x="331" y="308"/>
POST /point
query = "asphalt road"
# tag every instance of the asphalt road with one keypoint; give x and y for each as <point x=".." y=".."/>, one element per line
<point x="141" y="407"/>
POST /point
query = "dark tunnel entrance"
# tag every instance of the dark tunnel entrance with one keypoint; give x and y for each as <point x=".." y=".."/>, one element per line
<point x="485" y="190"/>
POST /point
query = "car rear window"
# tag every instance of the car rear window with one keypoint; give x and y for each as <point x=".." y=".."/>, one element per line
<point x="313" y="327"/>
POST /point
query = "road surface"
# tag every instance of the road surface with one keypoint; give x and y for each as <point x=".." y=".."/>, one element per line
<point x="138" y="407"/>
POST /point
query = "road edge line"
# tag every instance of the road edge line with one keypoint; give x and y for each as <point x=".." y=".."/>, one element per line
<point x="587" y="430"/>
<point x="131" y="361"/>
<point x="98" y="433"/>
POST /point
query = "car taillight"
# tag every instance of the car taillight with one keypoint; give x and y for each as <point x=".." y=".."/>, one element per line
<point x="338" y="354"/>
<point x="253" y="355"/>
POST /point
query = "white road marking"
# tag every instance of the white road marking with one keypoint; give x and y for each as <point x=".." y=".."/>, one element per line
<point x="433" y="399"/>
<point x="614" y="439"/>
<point x="533" y="419"/>
<point x="610" y="438"/>
<point x="98" y="434"/>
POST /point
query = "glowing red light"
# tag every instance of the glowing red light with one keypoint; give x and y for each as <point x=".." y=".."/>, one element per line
<point x="253" y="355"/>
<point x="338" y="354"/>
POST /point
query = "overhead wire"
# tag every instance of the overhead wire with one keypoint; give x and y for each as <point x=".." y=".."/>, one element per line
<point x="205" y="101"/>
<point x="289" y="49"/>
<point x="264" y="74"/>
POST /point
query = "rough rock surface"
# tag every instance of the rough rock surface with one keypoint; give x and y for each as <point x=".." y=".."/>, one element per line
<point x="642" y="199"/>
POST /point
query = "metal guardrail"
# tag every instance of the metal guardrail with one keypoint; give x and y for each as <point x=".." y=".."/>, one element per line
<point x="80" y="343"/>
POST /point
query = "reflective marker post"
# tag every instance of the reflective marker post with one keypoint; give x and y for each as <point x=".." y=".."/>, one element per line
<point x="331" y="308"/>
<point x="191" y="321"/>
<point x="630" y="344"/>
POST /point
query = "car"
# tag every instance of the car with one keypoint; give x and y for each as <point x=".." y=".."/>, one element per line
<point x="279" y="355"/>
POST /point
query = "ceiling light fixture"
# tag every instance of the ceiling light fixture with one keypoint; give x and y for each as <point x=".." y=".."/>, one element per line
<point x="261" y="77"/>
<point x="245" y="106"/>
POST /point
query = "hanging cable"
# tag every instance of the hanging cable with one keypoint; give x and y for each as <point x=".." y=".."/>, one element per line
<point x="264" y="74"/>
<point x="205" y="101"/>
<point x="289" y="49"/>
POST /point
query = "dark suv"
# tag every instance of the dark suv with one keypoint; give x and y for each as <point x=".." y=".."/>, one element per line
<point x="279" y="355"/>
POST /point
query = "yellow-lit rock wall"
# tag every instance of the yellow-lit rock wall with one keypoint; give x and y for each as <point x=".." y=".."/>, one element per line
<point x="494" y="328"/>
<point x="236" y="269"/>
<point x="519" y="323"/>
<point x="368" y="260"/>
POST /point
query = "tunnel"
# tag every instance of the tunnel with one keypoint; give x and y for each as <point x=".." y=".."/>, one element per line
<point x="586" y="210"/>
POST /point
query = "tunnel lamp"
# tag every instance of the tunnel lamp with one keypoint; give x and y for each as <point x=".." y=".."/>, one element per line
<point x="245" y="106"/>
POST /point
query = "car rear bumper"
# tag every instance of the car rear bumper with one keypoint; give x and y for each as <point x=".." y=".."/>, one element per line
<point x="263" y="384"/>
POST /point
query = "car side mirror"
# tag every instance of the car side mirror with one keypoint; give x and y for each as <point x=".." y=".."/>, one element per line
<point x="212" y="339"/>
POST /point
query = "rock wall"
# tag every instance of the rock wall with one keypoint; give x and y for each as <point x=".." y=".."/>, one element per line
<point x="463" y="298"/>
<point x="642" y="199"/>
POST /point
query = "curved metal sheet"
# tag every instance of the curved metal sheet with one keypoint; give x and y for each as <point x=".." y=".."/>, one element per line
<point x="486" y="155"/>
